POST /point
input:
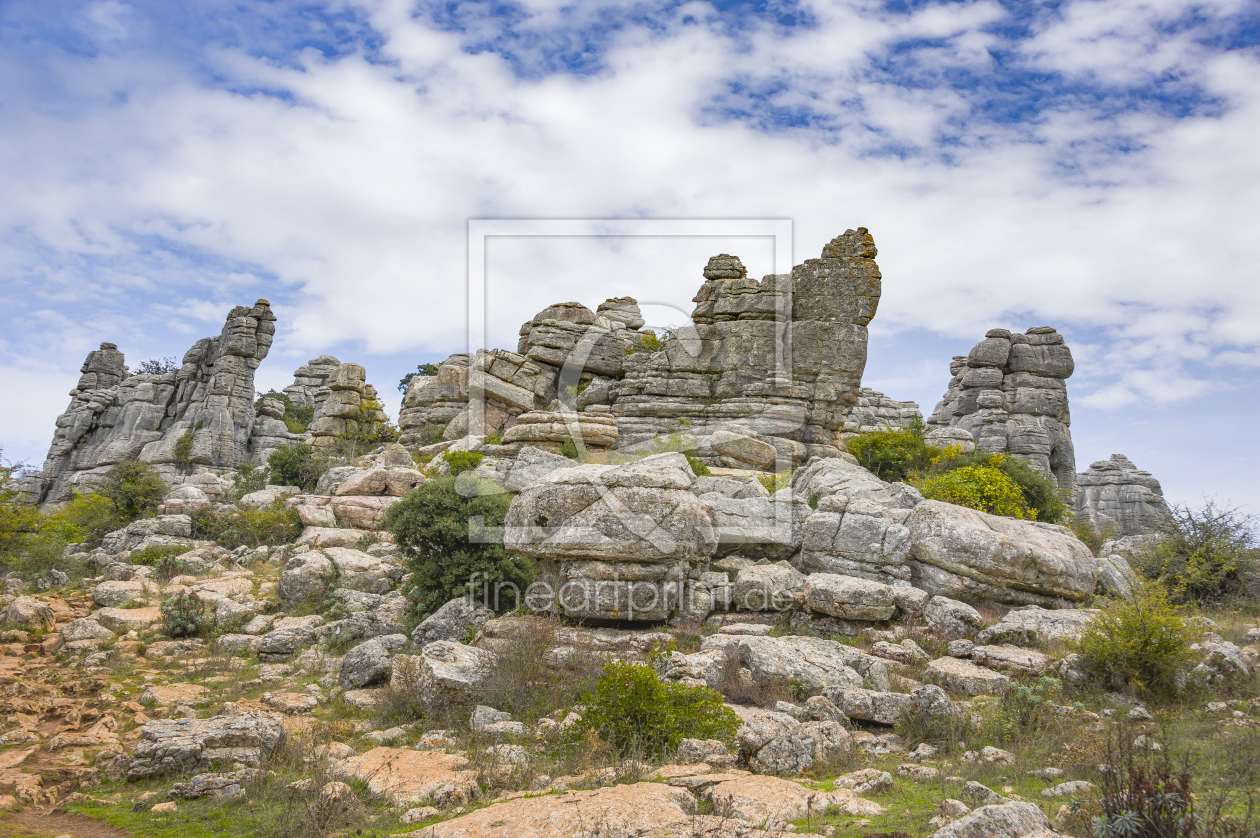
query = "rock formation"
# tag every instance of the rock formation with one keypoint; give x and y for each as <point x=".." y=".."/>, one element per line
<point x="114" y="416"/>
<point x="873" y="411"/>
<point x="777" y="362"/>
<point x="1010" y="395"/>
<point x="1116" y="497"/>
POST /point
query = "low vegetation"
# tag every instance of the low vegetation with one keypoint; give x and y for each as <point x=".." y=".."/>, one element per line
<point x="1208" y="555"/>
<point x="296" y="418"/>
<point x="246" y="527"/>
<point x="448" y="539"/>
<point x="995" y="483"/>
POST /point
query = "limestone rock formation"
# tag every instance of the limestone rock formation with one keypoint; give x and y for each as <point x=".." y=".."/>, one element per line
<point x="873" y="411"/>
<point x="766" y="373"/>
<point x="1116" y="497"/>
<point x="114" y="416"/>
<point x="1010" y="394"/>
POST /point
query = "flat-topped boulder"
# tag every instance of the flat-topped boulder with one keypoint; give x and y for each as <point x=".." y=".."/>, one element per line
<point x="187" y="746"/>
<point x="971" y="555"/>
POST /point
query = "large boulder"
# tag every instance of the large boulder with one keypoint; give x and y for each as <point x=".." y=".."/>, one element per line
<point x="458" y="620"/>
<point x="444" y="674"/>
<point x="809" y="661"/>
<point x="359" y="571"/>
<point x="29" y="613"/>
<point x="972" y="555"/>
<point x="641" y="512"/>
<point x="778" y="743"/>
<point x="965" y="678"/>
<point x="305" y="577"/>
<point x="287" y="634"/>
<point x="768" y="587"/>
<point x="1016" y="819"/>
<point x="1116" y="496"/>
<point x="1034" y="626"/>
<point x="369" y="663"/>
<point x="187" y="746"/>
<point x="949" y="619"/>
<point x="849" y="597"/>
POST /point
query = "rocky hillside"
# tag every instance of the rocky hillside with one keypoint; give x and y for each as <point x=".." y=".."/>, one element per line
<point x="687" y="609"/>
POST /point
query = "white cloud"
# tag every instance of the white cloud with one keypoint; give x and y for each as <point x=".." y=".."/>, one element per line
<point x="143" y="201"/>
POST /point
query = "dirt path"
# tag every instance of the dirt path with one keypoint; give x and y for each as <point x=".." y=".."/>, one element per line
<point x="35" y="822"/>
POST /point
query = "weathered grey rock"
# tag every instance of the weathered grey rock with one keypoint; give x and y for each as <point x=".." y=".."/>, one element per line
<point x="883" y="708"/>
<point x="966" y="678"/>
<point x="873" y="411"/>
<point x="458" y="620"/>
<point x="930" y="702"/>
<point x="1117" y="498"/>
<point x="114" y="416"/>
<point x="159" y="531"/>
<point x="1003" y="820"/>
<point x="1037" y="626"/>
<point x="115" y="594"/>
<point x="949" y="619"/>
<point x="215" y="785"/>
<point x="848" y="597"/>
<point x="589" y="430"/>
<point x="369" y="663"/>
<point x="84" y="629"/>
<point x="357" y="570"/>
<point x="1011" y="658"/>
<point x="757" y="525"/>
<point x="183" y="746"/>
<point x="768" y="587"/>
<point x="967" y="554"/>
<point x="1009" y="394"/>
<point x="29" y="613"/>
<point x="1220" y="661"/>
<point x="811" y="661"/>
<point x="693" y="751"/>
<point x="236" y="644"/>
<point x="777" y="743"/>
<point x="306" y="576"/>
<point x="444" y="674"/>
<point x="286" y="635"/>
<point x="531" y="465"/>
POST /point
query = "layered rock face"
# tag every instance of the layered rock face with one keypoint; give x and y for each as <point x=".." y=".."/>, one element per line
<point x="346" y="397"/>
<point x="766" y="373"/>
<point x="873" y="411"/>
<point x="1010" y="395"/>
<point x="114" y="416"/>
<point x="1116" y="497"/>
<point x="614" y="542"/>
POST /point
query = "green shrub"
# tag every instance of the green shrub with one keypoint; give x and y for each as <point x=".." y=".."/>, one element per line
<point x="893" y="455"/>
<point x="494" y="439"/>
<point x="295" y="465"/>
<point x="634" y="712"/>
<point x="249" y="478"/>
<point x="700" y="469"/>
<point x="444" y="545"/>
<point x="648" y="342"/>
<point x="569" y="449"/>
<point x="183" y="615"/>
<point x="296" y="419"/>
<point x="1142" y="640"/>
<point x="183" y="450"/>
<point x="462" y="461"/>
<point x="986" y="488"/>
<point x="367" y="426"/>
<point x="1024" y="710"/>
<point x="277" y="524"/>
<point x="1205" y="556"/>
<point x="775" y="482"/>
<point x="154" y="556"/>
<point x="135" y="490"/>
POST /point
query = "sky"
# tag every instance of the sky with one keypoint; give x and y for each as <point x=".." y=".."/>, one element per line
<point x="1085" y="164"/>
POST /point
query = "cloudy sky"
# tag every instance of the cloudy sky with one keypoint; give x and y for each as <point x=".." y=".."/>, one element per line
<point x="1086" y="164"/>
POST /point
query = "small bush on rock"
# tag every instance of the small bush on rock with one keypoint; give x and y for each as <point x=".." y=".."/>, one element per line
<point x="986" y="488"/>
<point x="154" y="556"/>
<point x="892" y="455"/>
<point x="633" y="711"/>
<point x="445" y="549"/>
<point x="1142" y="641"/>
<point x="183" y="450"/>
<point x="135" y="489"/>
<point x="277" y="524"/>
<point x="462" y="461"/>
<point x="249" y="478"/>
<point x="1207" y="555"/>
<point x="183" y="615"/>
<point x="295" y="465"/>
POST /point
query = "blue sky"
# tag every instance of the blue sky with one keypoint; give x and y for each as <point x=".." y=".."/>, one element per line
<point x="1084" y="164"/>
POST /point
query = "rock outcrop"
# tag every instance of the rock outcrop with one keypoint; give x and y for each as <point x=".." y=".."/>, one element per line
<point x="1117" y="498"/>
<point x="763" y="377"/>
<point x="1010" y="395"/>
<point x="873" y="411"/>
<point x="114" y="416"/>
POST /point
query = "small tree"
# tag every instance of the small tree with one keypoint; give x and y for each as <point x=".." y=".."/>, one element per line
<point x="443" y="536"/>
<point x="1141" y="640"/>
<point x="135" y="489"/>
<point x="295" y="465"/>
<point x="1206" y="555"/>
